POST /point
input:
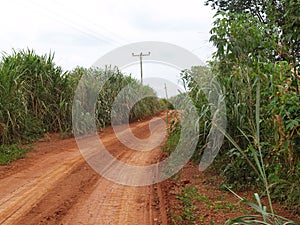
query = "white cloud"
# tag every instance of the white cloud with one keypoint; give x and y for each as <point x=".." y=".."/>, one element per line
<point x="81" y="31"/>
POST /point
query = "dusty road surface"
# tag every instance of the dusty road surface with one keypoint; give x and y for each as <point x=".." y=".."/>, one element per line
<point x="54" y="185"/>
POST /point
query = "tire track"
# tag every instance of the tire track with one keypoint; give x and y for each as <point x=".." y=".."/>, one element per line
<point x="60" y="188"/>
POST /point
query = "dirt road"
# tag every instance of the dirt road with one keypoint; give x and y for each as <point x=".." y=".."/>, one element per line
<point x="54" y="185"/>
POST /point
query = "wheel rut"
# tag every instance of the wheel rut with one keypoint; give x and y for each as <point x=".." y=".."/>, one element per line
<point x="54" y="185"/>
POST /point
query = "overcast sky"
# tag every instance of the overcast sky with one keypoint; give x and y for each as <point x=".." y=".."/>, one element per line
<point x="79" y="32"/>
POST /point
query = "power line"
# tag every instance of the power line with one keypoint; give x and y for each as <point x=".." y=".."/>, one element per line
<point x="87" y="32"/>
<point x="116" y="36"/>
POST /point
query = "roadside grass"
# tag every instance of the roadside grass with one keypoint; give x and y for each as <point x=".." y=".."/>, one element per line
<point x="39" y="97"/>
<point x="252" y="154"/>
<point x="10" y="153"/>
<point x="187" y="199"/>
<point x="194" y="207"/>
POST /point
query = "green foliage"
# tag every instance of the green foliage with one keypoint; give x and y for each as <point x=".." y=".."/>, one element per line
<point x="204" y="199"/>
<point x="116" y="96"/>
<point x="263" y="217"/>
<point x="267" y="147"/>
<point x="279" y="19"/>
<point x="166" y="104"/>
<point x="189" y="211"/>
<point x="237" y="48"/>
<point x="174" y="131"/>
<point x="285" y="185"/>
<point x="203" y="89"/>
<point x="265" y="11"/>
<point x="9" y="153"/>
<point x="146" y="107"/>
<point x="256" y="62"/>
<point x="36" y="97"/>
<point x="225" y="206"/>
<point x="238" y="174"/>
<point x="256" y="146"/>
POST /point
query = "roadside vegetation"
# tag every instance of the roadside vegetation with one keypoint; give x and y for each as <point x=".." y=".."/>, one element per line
<point x="36" y="98"/>
<point x="257" y="65"/>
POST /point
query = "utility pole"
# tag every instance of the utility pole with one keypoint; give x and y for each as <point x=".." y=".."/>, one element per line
<point x="167" y="116"/>
<point x="166" y="90"/>
<point x="141" y="62"/>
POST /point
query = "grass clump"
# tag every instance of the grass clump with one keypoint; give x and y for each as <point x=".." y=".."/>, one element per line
<point x="9" y="153"/>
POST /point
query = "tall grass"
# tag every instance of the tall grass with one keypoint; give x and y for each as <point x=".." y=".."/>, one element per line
<point x="36" y="96"/>
<point x="33" y="94"/>
<point x="263" y="216"/>
<point x="261" y="150"/>
<point x="114" y="85"/>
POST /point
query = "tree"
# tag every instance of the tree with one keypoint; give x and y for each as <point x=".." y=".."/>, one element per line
<point x="256" y="8"/>
<point x="280" y="16"/>
<point x="257" y="61"/>
<point x="242" y="40"/>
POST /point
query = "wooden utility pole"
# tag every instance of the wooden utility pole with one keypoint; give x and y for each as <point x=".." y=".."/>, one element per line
<point x="141" y="62"/>
<point x="167" y="116"/>
<point x="166" y="90"/>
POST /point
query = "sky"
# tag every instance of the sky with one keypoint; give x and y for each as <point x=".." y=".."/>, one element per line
<point x="80" y="32"/>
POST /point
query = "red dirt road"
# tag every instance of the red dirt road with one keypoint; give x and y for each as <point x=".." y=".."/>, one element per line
<point x="54" y="185"/>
